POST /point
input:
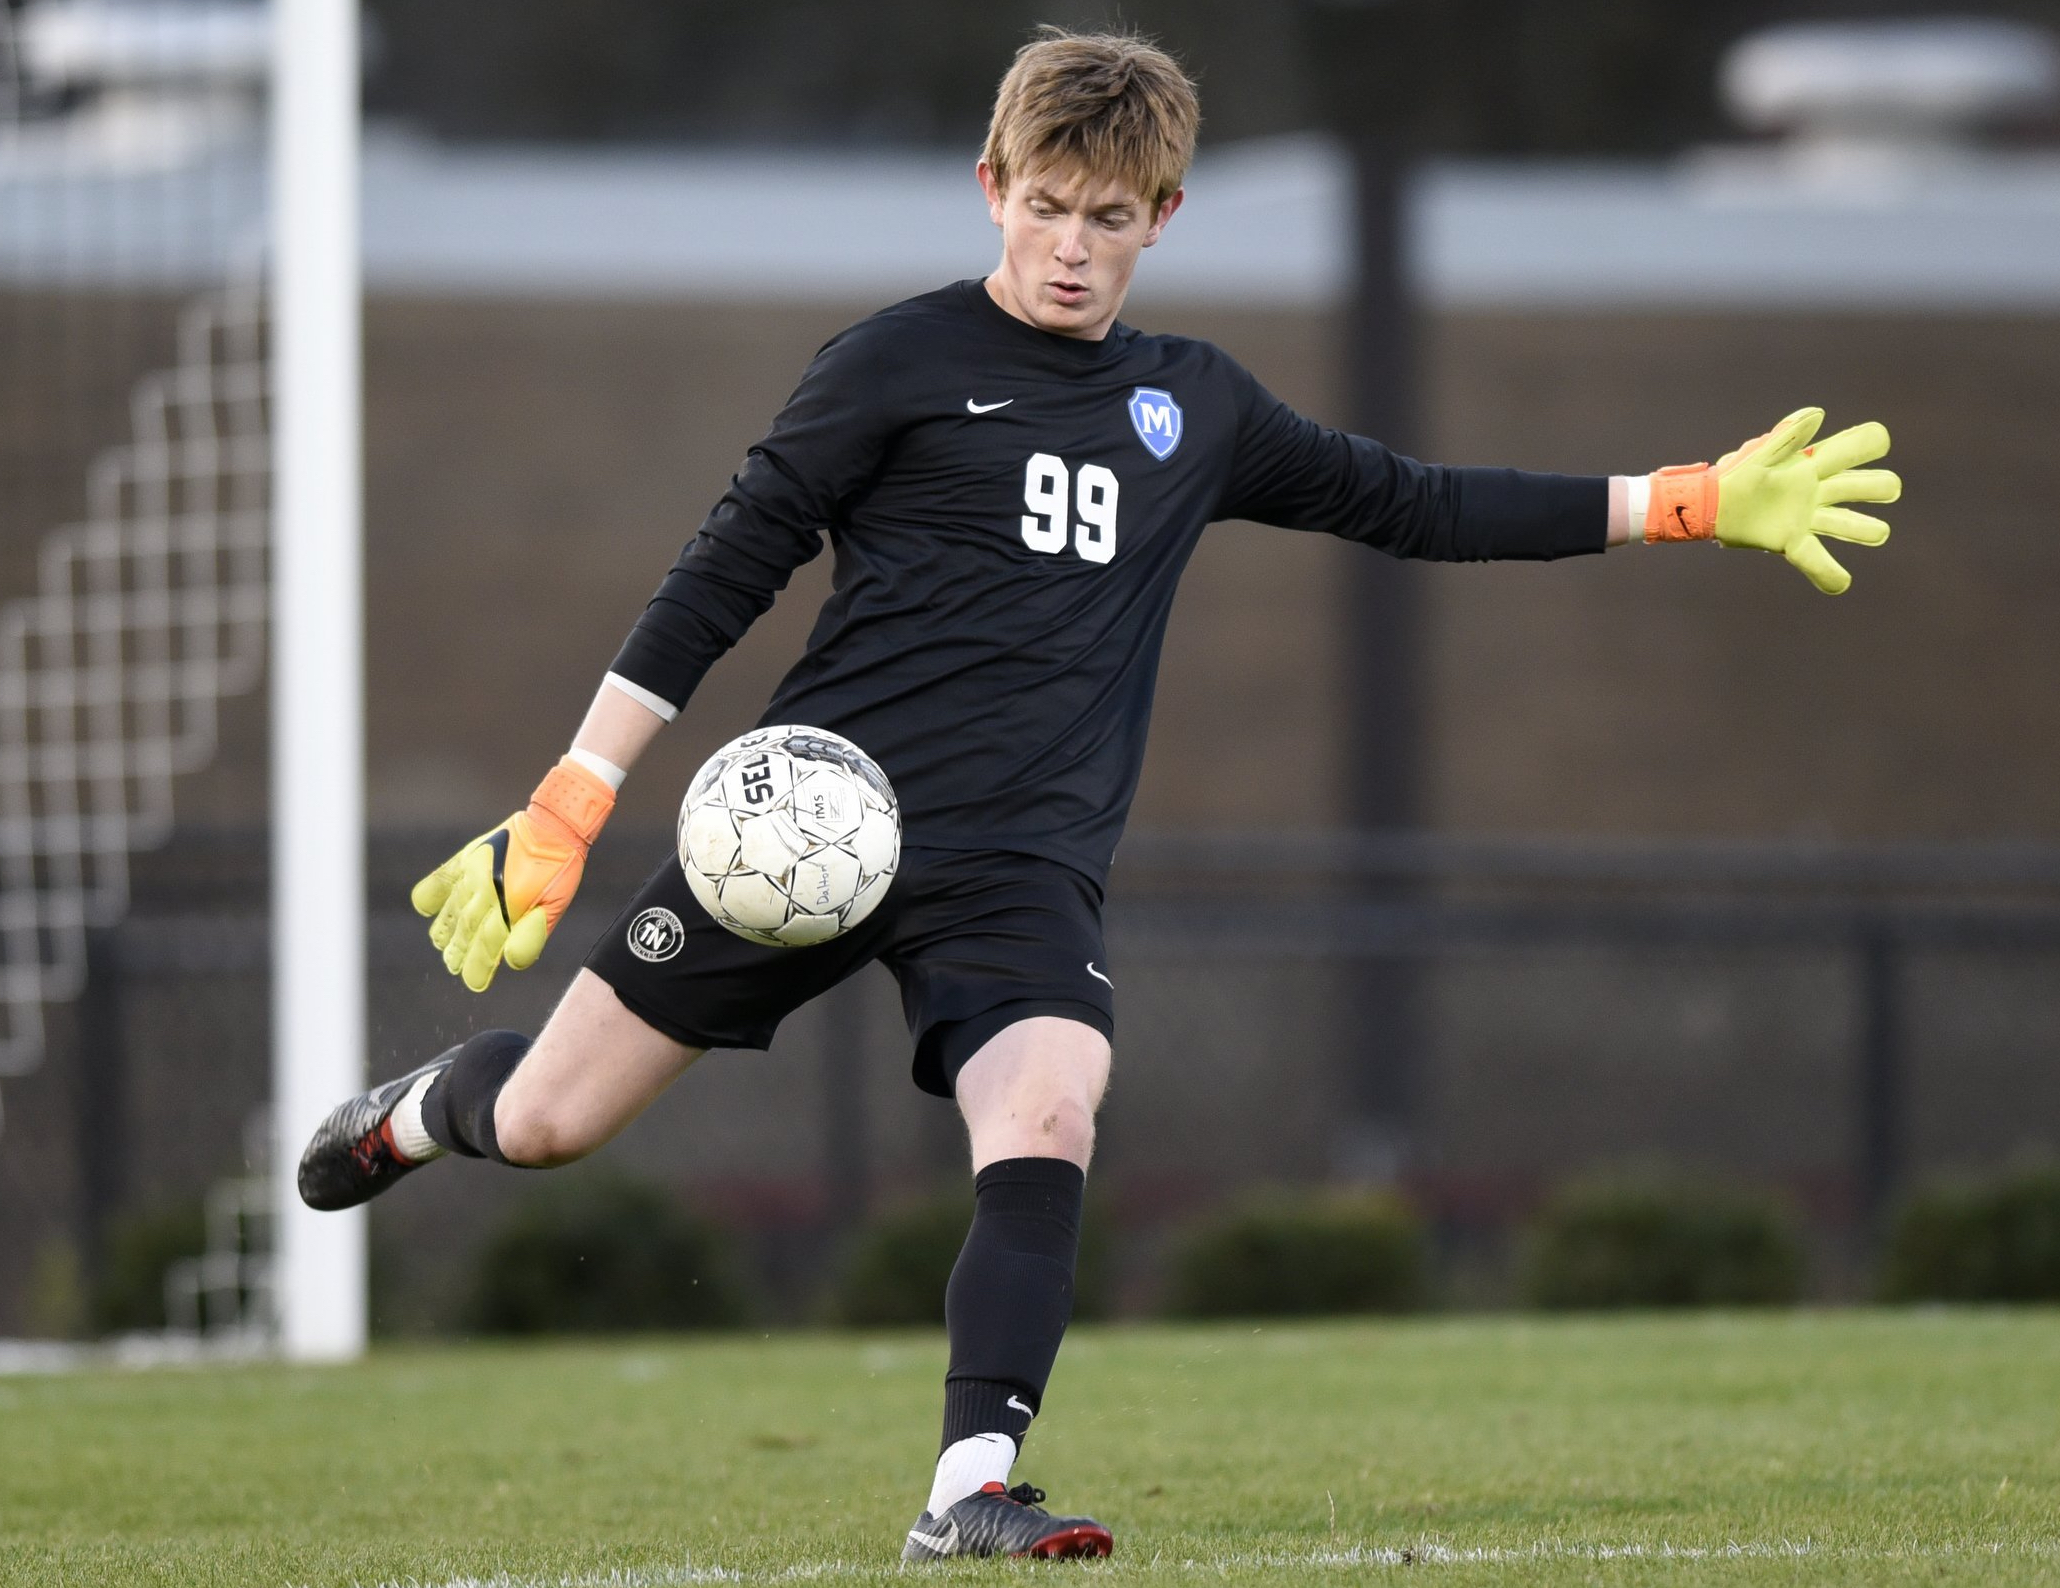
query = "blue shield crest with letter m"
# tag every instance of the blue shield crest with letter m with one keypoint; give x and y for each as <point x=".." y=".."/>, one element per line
<point x="1156" y="418"/>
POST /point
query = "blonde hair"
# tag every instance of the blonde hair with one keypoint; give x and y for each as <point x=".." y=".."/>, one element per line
<point x="1107" y="104"/>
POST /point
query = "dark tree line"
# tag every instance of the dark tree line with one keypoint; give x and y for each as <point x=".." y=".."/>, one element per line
<point x="1510" y="77"/>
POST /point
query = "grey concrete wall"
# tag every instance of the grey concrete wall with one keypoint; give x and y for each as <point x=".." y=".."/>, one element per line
<point x="1696" y="691"/>
<point x="533" y="467"/>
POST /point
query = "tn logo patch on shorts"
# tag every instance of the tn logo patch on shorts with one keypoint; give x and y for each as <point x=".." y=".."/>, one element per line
<point x="656" y="934"/>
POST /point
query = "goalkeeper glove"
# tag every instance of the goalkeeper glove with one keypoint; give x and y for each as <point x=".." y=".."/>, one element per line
<point x="1779" y="493"/>
<point x="499" y="896"/>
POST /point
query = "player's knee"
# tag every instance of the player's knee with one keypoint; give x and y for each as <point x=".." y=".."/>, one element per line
<point x="1063" y="1128"/>
<point x="533" y="1135"/>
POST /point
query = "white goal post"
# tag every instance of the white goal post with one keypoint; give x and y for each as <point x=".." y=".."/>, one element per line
<point x="318" y="804"/>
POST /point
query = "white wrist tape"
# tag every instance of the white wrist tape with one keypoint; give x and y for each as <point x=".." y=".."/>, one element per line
<point x="657" y="705"/>
<point x="603" y="768"/>
<point x="1637" y="500"/>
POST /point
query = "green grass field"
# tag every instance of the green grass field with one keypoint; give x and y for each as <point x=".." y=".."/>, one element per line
<point x="1860" y="1447"/>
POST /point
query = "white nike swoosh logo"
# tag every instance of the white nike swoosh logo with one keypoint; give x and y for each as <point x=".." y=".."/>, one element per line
<point x="940" y="1542"/>
<point x="986" y="408"/>
<point x="1019" y="1406"/>
<point x="1098" y="976"/>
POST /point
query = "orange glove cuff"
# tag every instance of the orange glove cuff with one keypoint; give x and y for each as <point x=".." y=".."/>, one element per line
<point x="579" y="801"/>
<point x="1683" y="504"/>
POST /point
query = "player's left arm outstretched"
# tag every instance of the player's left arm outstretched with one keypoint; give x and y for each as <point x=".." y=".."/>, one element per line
<point x="1781" y="492"/>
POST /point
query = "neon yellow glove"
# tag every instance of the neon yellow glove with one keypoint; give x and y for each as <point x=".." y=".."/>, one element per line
<point x="1779" y="493"/>
<point x="499" y="896"/>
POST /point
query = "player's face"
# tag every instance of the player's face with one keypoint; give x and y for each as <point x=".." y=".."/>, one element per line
<point x="1069" y="243"/>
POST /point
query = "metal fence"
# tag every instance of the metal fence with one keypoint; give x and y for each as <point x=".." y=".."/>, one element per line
<point x="1474" y="1022"/>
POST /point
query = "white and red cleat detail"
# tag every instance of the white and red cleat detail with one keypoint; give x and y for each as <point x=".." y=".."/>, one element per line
<point x="1004" y="1521"/>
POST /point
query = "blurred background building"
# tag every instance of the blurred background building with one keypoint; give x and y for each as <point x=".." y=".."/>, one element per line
<point x="1465" y="880"/>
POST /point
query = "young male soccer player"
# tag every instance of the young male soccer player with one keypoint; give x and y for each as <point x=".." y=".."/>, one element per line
<point x="1011" y="481"/>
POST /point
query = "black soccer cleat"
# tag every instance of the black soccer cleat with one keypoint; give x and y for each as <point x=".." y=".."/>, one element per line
<point x="999" y="1521"/>
<point x="351" y="1157"/>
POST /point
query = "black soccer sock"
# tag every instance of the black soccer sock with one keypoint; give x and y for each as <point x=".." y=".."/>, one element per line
<point x="458" y="1108"/>
<point x="1011" y="1295"/>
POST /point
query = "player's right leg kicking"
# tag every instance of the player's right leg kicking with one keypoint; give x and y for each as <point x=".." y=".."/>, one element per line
<point x="594" y="1067"/>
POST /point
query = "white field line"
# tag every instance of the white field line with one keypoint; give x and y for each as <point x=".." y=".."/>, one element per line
<point x="1355" y="1556"/>
<point x="636" y="1577"/>
<point x="660" y="1577"/>
<point x="1436" y="1554"/>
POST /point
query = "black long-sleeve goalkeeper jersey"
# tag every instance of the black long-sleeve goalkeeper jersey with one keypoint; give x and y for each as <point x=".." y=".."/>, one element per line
<point x="1010" y="511"/>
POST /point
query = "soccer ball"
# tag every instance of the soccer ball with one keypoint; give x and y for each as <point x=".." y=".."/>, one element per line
<point x="789" y="836"/>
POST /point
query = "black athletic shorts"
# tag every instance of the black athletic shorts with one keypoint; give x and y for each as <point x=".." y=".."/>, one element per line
<point x="977" y="940"/>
